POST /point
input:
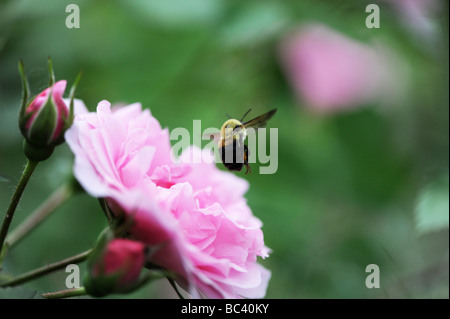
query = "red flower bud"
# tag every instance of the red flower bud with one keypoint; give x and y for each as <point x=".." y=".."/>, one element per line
<point x="115" y="267"/>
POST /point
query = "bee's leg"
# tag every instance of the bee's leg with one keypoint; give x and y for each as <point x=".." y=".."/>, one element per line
<point x="249" y="170"/>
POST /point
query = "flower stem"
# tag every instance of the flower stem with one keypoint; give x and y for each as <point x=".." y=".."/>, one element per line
<point x="46" y="269"/>
<point x="26" y="174"/>
<point x="75" y="292"/>
<point x="58" y="197"/>
<point x="174" y="286"/>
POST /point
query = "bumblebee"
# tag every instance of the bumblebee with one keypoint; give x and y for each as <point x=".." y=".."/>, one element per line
<point x="233" y="152"/>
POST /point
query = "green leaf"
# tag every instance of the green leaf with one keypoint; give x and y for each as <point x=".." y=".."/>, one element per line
<point x="432" y="211"/>
<point x="19" y="293"/>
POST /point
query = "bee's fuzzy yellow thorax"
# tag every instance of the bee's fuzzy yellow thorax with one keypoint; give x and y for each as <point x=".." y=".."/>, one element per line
<point x="228" y="127"/>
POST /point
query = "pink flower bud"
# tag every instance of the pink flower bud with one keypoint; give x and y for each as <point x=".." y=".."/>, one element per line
<point x="44" y="120"/>
<point x="45" y="117"/>
<point x="115" y="267"/>
<point x="123" y="256"/>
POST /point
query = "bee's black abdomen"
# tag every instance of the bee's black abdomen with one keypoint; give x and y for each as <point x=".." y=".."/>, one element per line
<point x="234" y="166"/>
<point x="232" y="156"/>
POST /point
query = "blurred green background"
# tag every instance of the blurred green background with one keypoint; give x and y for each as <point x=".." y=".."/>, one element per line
<point x="365" y="186"/>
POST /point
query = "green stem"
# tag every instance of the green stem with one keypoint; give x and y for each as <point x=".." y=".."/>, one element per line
<point x="46" y="269"/>
<point x="75" y="292"/>
<point x="55" y="200"/>
<point x="29" y="168"/>
<point x="174" y="286"/>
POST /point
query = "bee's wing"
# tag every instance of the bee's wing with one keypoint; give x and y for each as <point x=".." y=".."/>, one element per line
<point x="212" y="136"/>
<point x="260" y="121"/>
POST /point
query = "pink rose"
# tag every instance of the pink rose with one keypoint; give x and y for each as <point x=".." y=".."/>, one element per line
<point x="330" y="71"/>
<point x="193" y="217"/>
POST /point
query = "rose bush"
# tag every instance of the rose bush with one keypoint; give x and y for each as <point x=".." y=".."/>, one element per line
<point x="193" y="217"/>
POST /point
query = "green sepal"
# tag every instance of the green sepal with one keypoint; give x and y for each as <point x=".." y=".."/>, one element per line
<point x="37" y="153"/>
<point x="100" y="285"/>
<point x="69" y="121"/>
<point x="41" y="131"/>
<point x="50" y="71"/>
<point x="23" y="118"/>
<point x="102" y="241"/>
<point x="98" y="252"/>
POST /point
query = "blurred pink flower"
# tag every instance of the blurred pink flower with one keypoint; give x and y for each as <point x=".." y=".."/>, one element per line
<point x="332" y="72"/>
<point x="193" y="216"/>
